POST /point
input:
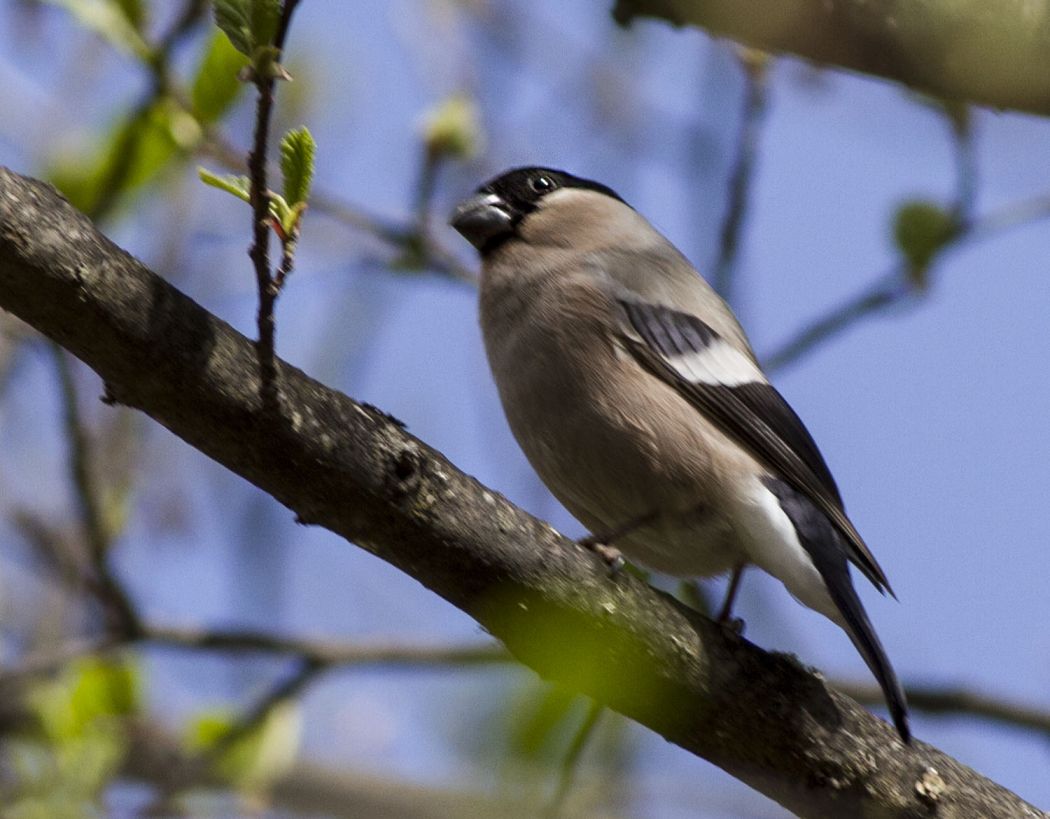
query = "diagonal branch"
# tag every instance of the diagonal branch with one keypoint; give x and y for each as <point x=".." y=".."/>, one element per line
<point x="353" y="469"/>
<point x="119" y="609"/>
<point x="956" y="702"/>
<point x="894" y="287"/>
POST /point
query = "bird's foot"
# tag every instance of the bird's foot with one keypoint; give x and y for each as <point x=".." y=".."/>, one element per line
<point x="733" y="626"/>
<point x="610" y="555"/>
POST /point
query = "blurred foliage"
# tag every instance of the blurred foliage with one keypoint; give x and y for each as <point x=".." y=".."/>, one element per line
<point x="119" y="22"/>
<point x="216" y="84"/>
<point x="921" y="230"/>
<point x="77" y="743"/>
<point x="530" y="738"/>
<point x="248" y="759"/>
<point x="133" y="155"/>
<point x="543" y="722"/>
<point x="453" y="128"/>
<point x="167" y="126"/>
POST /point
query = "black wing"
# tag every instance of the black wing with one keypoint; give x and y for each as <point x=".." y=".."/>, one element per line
<point x="729" y="388"/>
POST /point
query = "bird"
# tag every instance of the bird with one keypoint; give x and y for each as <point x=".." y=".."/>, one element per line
<point x="634" y="393"/>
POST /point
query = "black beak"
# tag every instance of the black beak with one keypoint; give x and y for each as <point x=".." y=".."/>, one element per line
<point x="483" y="218"/>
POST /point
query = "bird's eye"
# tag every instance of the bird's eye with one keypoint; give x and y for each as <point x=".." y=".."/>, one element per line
<point x="542" y="184"/>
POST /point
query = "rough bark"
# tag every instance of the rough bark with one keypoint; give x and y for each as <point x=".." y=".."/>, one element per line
<point x="355" y="470"/>
<point x="991" y="53"/>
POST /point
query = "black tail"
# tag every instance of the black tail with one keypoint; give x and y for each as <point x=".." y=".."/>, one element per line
<point x="840" y="587"/>
<point x="829" y="554"/>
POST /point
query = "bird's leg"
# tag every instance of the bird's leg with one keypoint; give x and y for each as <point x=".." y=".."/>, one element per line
<point x="601" y="542"/>
<point x="725" y="617"/>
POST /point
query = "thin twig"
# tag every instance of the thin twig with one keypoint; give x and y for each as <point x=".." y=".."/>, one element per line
<point x="341" y="211"/>
<point x="319" y="654"/>
<point x="14" y="339"/>
<point x="570" y="764"/>
<point x="902" y="281"/>
<point x="285" y="267"/>
<point x="194" y="768"/>
<point x="328" y="653"/>
<point x="961" y="123"/>
<point x="755" y="65"/>
<point x="61" y="554"/>
<point x="956" y="702"/>
<point x="894" y="286"/>
<point x="290" y="687"/>
<point x="121" y="616"/>
<point x="425" y="187"/>
<point x="335" y="654"/>
<point x="259" y="252"/>
<point x="886" y="291"/>
<point x="313" y="660"/>
<point x="43" y="663"/>
<point x="403" y="237"/>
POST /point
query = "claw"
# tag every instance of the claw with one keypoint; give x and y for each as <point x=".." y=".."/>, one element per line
<point x="733" y="626"/>
<point x="609" y="555"/>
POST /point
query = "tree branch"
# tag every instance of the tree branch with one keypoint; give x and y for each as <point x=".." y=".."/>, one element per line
<point x="354" y="470"/>
<point x="957" y="702"/>
<point x="994" y="54"/>
<point x="118" y="607"/>
<point x="327" y="653"/>
<point x="259" y="251"/>
<point x="755" y="65"/>
<point x="943" y="700"/>
<point x="895" y="287"/>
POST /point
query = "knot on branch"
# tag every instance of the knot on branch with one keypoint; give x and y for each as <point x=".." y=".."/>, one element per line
<point x="406" y="471"/>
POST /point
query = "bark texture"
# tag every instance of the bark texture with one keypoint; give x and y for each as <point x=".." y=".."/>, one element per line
<point x="355" y="470"/>
<point x="991" y="53"/>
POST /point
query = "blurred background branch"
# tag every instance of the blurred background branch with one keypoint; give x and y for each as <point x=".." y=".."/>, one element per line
<point x="755" y="65"/>
<point x="905" y="284"/>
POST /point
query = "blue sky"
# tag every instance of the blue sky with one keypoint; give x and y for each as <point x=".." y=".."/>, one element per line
<point x="933" y="417"/>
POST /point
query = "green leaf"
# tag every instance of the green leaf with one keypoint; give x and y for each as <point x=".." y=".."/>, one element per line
<point x="291" y="223"/>
<point x="281" y="210"/>
<point x="297" y="164"/>
<point x="134" y="152"/>
<point x="109" y="19"/>
<point x="239" y="186"/>
<point x="216" y="83"/>
<point x="248" y="23"/>
<point x="233" y="17"/>
<point x="266" y="14"/>
<point x="921" y="229"/>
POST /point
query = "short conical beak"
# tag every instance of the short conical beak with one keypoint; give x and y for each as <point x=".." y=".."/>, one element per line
<point x="482" y="218"/>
